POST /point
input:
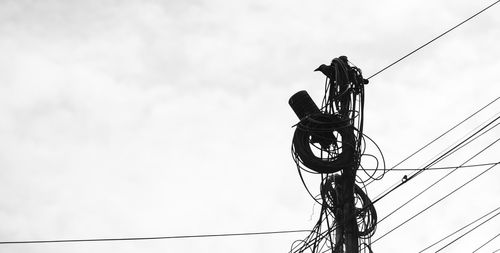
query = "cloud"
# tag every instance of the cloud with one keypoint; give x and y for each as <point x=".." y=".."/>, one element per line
<point x="153" y="118"/>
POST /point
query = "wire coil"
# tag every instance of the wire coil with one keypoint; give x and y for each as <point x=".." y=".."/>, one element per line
<point x="330" y="141"/>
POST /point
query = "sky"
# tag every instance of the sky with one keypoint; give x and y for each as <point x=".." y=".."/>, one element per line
<point x="159" y="118"/>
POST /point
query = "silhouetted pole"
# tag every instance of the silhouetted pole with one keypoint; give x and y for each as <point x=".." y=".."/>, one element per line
<point x="347" y="181"/>
<point x="349" y="211"/>
<point x="334" y="132"/>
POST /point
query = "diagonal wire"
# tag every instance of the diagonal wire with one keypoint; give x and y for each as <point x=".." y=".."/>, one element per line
<point x="445" y="167"/>
<point x="433" y="204"/>
<point x="401" y="224"/>
<point x="464" y="141"/>
<point x="429" y="42"/>
<point x="452" y="150"/>
<point x="458" y="230"/>
<point x="474" y="228"/>
<point x="283" y="231"/>
<point x="436" y="182"/>
<point x="484" y="244"/>
<point x="467" y="139"/>
<point x="440" y="136"/>
<point x="458" y="146"/>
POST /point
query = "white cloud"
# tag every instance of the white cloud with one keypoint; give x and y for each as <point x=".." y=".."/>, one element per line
<point x="159" y="118"/>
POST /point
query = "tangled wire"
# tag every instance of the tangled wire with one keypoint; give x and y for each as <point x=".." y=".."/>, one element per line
<point x="327" y="234"/>
<point x="329" y="141"/>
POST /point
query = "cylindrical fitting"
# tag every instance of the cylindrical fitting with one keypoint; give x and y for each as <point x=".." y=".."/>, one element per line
<point x="302" y="104"/>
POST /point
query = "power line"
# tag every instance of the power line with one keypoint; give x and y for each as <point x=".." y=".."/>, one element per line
<point x="429" y="42"/>
<point x="440" y="136"/>
<point x="460" y="145"/>
<point x="467" y="139"/>
<point x="484" y="244"/>
<point x="433" y="204"/>
<point x="450" y="151"/>
<point x="239" y="234"/>
<point x="474" y="228"/>
<point x="229" y="234"/>
<point x="295" y="231"/>
<point x="153" y="238"/>
<point x="458" y="230"/>
<point x="446" y="167"/>
<point x="436" y="182"/>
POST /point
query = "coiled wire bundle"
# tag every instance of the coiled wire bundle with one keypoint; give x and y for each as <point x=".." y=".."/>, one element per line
<point x="327" y="234"/>
<point x="324" y="143"/>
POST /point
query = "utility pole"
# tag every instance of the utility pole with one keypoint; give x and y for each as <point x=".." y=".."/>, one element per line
<point x="328" y="141"/>
<point x="351" y="227"/>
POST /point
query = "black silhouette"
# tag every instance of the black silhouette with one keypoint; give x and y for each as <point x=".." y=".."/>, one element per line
<point x="328" y="140"/>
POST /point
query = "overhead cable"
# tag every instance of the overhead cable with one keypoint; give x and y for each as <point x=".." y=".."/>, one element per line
<point x="466" y="233"/>
<point x="458" y="230"/>
<point x="440" y="136"/>
<point x="462" y="144"/>
<point x="430" y="41"/>
<point x="452" y="150"/>
<point x="447" y="167"/>
<point x="437" y="181"/>
<point x="464" y="141"/>
<point x="492" y="165"/>
<point x="484" y="244"/>
<point x="433" y="204"/>
<point x="153" y="238"/>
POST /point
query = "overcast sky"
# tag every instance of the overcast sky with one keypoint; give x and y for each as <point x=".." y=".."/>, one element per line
<point x="158" y="118"/>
